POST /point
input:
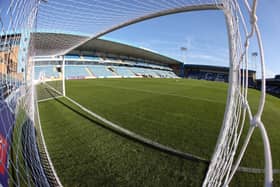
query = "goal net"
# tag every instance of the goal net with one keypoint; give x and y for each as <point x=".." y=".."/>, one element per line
<point x="20" y="163"/>
<point x="48" y="81"/>
<point x="25" y="80"/>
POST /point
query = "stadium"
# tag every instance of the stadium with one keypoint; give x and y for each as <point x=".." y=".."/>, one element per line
<point x="82" y="110"/>
<point x="102" y="59"/>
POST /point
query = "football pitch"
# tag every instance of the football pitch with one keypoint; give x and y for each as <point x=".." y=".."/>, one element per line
<point x="183" y="114"/>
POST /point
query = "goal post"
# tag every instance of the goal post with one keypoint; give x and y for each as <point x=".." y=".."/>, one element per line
<point x="43" y="78"/>
<point x="225" y="159"/>
<point x="63" y="76"/>
<point x="224" y="163"/>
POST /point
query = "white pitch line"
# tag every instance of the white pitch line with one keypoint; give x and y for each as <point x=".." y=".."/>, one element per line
<point x="51" y="98"/>
<point x="45" y="148"/>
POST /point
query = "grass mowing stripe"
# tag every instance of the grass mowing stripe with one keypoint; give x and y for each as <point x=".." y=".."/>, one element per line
<point x="139" y="138"/>
<point x="165" y="94"/>
<point x="124" y="162"/>
<point x="155" y="144"/>
<point x="178" y="127"/>
<point x="110" y="103"/>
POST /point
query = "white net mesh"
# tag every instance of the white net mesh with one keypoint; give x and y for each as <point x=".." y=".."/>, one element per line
<point x="240" y="32"/>
<point x="93" y="19"/>
<point x="20" y="162"/>
<point x="48" y="81"/>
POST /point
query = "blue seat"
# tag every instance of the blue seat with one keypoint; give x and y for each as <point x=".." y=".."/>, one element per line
<point x="75" y="71"/>
<point x="100" y="71"/>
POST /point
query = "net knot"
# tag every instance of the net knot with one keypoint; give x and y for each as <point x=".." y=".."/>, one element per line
<point x="255" y="121"/>
<point x="254" y="19"/>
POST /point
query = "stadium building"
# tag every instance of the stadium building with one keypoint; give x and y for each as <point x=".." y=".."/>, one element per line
<point x="144" y="127"/>
<point x="9" y="53"/>
<point x="100" y="58"/>
<point x="272" y="85"/>
<point x="10" y="72"/>
<point x="214" y="73"/>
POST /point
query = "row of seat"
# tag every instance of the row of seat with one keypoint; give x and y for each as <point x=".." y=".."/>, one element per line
<point x="207" y="76"/>
<point x="273" y="90"/>
<point x="48" y="71"/>
<point x="114" y="60"/>
<point x="221" y="77"/>
<point x="99" y="71"/>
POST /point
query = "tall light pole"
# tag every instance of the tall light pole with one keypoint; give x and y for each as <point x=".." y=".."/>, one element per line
<point x="184" y="58"/>
<point x="184" y="54"/>
<point x="254" y="60"/>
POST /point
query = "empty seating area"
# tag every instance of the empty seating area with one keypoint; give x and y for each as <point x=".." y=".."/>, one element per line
<point x="221" y="77"/>
<point x="48" y="72"/>
<point x="76" y="72"/>
<point x="123" y="71"/>
<point x="273" y="90"/>
<point x="99" y="71"/>
<point x="207" y="76"/>
<point x="272" y="85"/>
<point x="166" y="74"/>
<point x="143" y="72"/>
<point x="155" y="73"/>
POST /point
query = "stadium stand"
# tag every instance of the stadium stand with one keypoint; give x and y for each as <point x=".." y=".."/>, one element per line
<point x="91" y="58"/>
<point x="105" y="58"/>
<point x="99" y="71"/>
<point x="142" y="72"/>
<point x="272" y="85"/>
<point x="214" y="73"/>
<point x="123" y="71"/>
<point x="76" y="72"/>
<point x="46" y="71"/>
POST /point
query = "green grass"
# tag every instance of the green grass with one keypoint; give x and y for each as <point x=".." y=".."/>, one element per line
<point x="44" y="93"/>
<point x="183" y="114"/>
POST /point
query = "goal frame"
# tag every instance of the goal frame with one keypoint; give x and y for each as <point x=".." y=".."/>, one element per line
<point x="255" y="121"/>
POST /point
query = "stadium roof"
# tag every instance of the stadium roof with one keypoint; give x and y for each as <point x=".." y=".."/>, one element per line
<point x="46" y="43"/>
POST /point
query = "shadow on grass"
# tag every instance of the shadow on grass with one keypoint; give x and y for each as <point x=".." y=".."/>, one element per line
<point x="133" y="139"/>
<point x="185" y="156"/>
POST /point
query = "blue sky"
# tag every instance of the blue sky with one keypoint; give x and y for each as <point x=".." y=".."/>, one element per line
<point x="204" y="34"/>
